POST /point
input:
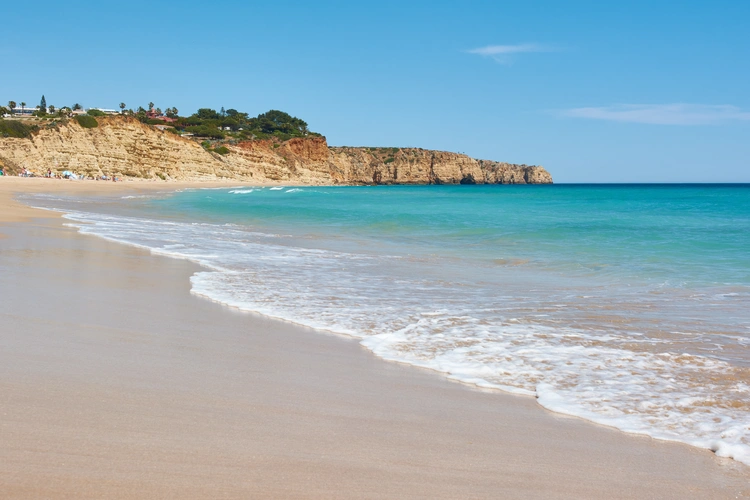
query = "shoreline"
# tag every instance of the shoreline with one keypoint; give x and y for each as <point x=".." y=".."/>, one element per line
<point x="326" y="411"/>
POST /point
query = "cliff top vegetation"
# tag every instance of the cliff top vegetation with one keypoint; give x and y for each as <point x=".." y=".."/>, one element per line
<point x="206" y="123"/>
<point x="231" y="123"/>
<point x="12" y="128"/>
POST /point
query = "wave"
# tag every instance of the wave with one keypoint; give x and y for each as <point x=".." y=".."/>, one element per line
<point x="503" y="327"/>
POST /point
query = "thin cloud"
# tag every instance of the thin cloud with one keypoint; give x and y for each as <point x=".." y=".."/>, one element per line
<point x="663" y="114"/>
<point x="504" y="53"/>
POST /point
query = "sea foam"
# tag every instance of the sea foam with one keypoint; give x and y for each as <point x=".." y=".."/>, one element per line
<point x="637" y="356"/>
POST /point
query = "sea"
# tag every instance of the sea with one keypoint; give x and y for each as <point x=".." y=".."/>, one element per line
<point x="625" y="305"/>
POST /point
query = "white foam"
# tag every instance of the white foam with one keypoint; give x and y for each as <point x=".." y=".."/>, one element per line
<point x="498" y="333"/>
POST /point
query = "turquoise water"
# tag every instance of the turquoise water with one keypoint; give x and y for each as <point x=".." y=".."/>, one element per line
<point x="628" y="305"/>
<point x="699" y="234"/>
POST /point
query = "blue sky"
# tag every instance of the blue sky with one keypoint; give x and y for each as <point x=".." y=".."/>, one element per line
<point x="594" y="91"/>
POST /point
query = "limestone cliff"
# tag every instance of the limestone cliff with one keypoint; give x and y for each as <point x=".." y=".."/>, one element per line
<point x="128" y="148"/>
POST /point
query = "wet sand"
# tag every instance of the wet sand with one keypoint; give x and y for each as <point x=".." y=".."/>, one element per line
<point x="116" y="382"/>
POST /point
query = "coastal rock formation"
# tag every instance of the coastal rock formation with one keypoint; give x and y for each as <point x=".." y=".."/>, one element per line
<point x="127" y="148"/>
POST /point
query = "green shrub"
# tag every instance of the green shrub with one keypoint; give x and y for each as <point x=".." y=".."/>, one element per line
<point x="13" y="128"/>
<point x="87" y="121"/>
<point x="172" y="131"/>
<point x="205" y="131"/>
<point x="95" y="112"/>
<point x="222" y="150"/>
<point x="389" y="160"/>
<point x="256" y="134"/>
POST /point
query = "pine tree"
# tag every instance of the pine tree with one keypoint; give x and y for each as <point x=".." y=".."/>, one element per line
<point x="43" y="105"/>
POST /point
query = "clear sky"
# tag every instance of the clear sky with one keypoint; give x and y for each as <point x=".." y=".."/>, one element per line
<point x="596" y="91"/>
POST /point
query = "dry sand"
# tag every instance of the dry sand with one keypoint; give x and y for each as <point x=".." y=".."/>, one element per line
<point x="116" y="382"/>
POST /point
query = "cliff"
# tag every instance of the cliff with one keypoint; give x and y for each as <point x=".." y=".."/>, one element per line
<point x="127" y="148"/>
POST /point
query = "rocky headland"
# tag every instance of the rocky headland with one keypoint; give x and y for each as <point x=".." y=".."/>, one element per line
<point x="124" y="147"/>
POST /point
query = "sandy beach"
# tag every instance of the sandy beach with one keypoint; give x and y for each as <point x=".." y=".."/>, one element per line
<point x="116" y="382"/>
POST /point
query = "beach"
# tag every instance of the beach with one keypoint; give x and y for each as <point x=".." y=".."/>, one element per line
<point x="117" y="382"/>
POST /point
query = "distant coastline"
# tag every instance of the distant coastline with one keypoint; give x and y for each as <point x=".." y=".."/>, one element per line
<point x="273" y="147"/>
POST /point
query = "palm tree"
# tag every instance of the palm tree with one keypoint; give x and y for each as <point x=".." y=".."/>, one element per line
<point x="23" y="107"/>
<point x="77" y="106"/>
<point x="150" y="106"/>
<point x="51" y="109"/>
<point x="122" y="107"/>
<point x="12" y="106"/>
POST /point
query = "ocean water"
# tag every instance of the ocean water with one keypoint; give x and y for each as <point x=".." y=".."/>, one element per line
<point x="627" y="305"/>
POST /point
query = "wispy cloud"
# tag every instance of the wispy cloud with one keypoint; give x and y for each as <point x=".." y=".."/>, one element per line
<point x="663" y="114"/>
<point x="504" y="53"/>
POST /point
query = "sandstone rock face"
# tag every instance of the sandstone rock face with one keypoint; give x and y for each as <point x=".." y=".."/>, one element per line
<point x="128" y="148"/>
<point x="115" y="147"/>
